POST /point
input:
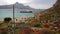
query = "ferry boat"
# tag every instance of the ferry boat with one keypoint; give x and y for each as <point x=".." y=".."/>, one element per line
<point x="25" y="11"/>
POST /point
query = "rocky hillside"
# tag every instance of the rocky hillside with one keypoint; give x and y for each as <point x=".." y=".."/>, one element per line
<point x="52" y="13"/>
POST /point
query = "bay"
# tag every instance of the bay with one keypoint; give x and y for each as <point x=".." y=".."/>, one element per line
<point x="9" y="13"/>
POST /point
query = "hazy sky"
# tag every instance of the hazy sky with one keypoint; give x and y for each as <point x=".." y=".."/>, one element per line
<point x="39" y="4"/>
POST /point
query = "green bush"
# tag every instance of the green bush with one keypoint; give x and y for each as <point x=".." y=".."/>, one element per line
<point x="7" y="19"/>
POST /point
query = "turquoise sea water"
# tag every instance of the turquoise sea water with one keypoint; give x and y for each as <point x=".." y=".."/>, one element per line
<point x="9" y="13"/>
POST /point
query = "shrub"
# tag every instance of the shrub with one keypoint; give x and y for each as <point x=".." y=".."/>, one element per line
<point x="7" y="19"/>
<point x="37" y="25"/>
<point x="27" y="31"/>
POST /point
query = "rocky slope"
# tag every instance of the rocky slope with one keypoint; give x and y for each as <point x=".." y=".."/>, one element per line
<point x="52" y="13"/>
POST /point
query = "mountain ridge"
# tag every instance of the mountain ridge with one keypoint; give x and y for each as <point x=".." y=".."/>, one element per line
<point x="16" y="5"/>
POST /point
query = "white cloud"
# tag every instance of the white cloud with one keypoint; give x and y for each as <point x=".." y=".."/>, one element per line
<point x="31" y="3"/>
<point x="13" y="1"/>
<point x="24" y="1"/>
<point x="20" y="1"/>
<point x="39" y="6"/>
<point x="3" y="2"/>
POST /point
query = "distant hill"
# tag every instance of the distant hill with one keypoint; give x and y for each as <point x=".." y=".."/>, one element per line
<point x="6" y="6"/>
<point x="16" y="5"/>
<point x="20" y="7"/>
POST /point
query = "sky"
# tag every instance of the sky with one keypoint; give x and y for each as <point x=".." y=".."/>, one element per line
<point x="38" y="4"/>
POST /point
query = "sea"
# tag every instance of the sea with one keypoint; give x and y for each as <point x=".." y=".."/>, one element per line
<point x="9" y="13"/>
